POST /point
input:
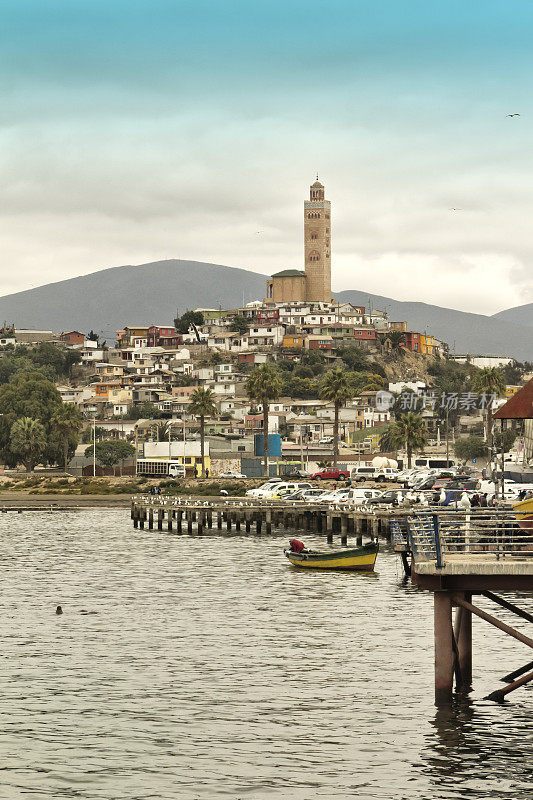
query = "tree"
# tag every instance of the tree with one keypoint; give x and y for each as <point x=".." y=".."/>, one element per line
<point x="108" y="454"/>
<point x="99" y="432"/>
<point x="27" y="441"/>
<point x="489" y="381"/>
<point x="66" y="424"/>
<point x="336" y="388"/>
<point x="239" y="324"/>
<point x="264" y="385"/>
<point x="509" y="438"/>
<point x="396" y="339"/>
<point x="409" y="432"/>
<point x="202" y="405"/>
<point x="469" y="448"/>
<point x="27" y="394"/>
<point x="184" y="322"/>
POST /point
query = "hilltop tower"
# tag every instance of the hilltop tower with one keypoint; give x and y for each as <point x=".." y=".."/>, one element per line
<point x="313" y="285"/>
<point x="317" y="245"/>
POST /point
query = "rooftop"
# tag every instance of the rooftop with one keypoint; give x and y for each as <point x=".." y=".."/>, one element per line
<point x="290" y="273"/>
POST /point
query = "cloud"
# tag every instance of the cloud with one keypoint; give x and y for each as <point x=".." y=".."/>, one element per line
<point x="127" y="140"/>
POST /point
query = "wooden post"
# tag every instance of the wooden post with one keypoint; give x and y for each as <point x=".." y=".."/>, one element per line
<point x="228" y="521"/>
<point x="464" y="642"/>
<point x="444" y="657"/>
<point x="329" y="528"/>
<point x="189" y="521"/>
<point x="219" y="520"/>
<point x="247" y="521"/>
<point x="136" y="517"/>
<point x="132" y="509"/>
<point x="160" y="519"/>
<point x="201" y="522"/>
<point x="258" y="524"/>
<point x="151" y="519"/>
<point x="209" y="519"/>
<point x="141" y="518"/>
<point x="359" y="531"/>
<point x="179" y="520"/>
<point x="268" y="517"/>
<point x="344" y="529"/>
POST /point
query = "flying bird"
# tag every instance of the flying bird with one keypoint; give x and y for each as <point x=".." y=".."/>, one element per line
<point x="513" y="115"/>
<point x="456" y="209"/>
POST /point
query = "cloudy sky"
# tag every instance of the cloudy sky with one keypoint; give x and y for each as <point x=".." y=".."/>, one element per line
<point x="150" y="129"/>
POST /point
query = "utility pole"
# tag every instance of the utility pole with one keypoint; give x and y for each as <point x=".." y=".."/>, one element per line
<point x="94" y="445"/>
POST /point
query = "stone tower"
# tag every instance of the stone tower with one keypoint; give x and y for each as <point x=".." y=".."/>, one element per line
<point x="317" y="244"/>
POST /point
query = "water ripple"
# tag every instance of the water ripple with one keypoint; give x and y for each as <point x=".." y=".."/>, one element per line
<point x="214" y="670"/>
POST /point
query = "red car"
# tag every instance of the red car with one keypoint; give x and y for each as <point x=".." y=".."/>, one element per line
<point x="331" y="475"/>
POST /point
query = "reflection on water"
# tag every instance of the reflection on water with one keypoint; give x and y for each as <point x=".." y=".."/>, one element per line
<point x="212" y="669"/>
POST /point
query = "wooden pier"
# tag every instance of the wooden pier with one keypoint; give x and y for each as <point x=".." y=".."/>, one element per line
<point x="243" y="514"/>
<point x="457" y="555"/>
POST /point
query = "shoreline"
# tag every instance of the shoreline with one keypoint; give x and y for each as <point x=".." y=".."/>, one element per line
<point x="25" y="500"/>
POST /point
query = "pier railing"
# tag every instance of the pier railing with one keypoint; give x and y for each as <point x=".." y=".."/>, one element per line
<point x="480" y="533"/>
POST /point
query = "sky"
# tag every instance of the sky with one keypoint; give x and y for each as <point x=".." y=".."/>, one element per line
<point x="138" y="131"/>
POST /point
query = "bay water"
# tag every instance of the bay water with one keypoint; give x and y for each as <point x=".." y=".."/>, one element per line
<point x="208" y="667"/>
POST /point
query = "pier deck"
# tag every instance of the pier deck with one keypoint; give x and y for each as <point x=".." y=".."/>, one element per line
<point x="457" y="555"/>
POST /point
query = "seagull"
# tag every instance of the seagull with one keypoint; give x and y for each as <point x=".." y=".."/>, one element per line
<point x="512" y="115"/>
<point x="465" y="501"/>
<point x="442" y="496"/>
<point x="456" y="209"/>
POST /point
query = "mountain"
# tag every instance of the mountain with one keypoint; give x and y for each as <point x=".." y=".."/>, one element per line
<point x="151" y="293"/>
<point x="505" y="333"/>
<point x="142" y="295"/>
<point x="519" y="315"/>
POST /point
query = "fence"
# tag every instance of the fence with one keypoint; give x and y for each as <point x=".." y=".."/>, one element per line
<point x="437" y="537"/>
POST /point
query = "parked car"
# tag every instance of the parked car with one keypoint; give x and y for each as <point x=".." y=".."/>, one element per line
<point x="336" y="496"/>
<point x="363" y="473"/>
<point x="326" y="440"/>
<point x="312" y="495"/>
<point x="362" y="496"/>
<point x="390" y="497"/>
<point x="284" y="488"/>
<point x="386" y="474"/>
<point x="231" y="474"/>
<point x="331" y="475"/>
<point x="264" y="489"/>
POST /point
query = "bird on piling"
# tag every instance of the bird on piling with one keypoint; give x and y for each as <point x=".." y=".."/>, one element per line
<point x="465" y="501"/>
<point x="442" y="496"/>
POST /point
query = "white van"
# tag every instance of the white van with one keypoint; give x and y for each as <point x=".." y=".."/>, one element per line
<point x="358" y="497"/>
<point x="364" y="473"/>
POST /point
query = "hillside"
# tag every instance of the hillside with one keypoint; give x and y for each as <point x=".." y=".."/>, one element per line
<point x="519" y="315"/>
<point x="142" y="295"/>
<point x="464" y="332"/>
<point x="151" y="293"/>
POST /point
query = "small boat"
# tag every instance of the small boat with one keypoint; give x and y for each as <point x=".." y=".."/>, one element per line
<point x="524" y="513"/>
<point x="357" y="558"/>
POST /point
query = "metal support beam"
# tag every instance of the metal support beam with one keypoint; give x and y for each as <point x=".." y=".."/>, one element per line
<point x="499" y="694"/>
<point x="509" y="606"/>
<point x="493" y="621"/>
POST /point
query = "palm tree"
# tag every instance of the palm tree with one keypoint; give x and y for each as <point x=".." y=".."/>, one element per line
<point x="489" y="381"/>
<point x="66" y="424"/>
<point x="335" y="387"/>
<point x="409" y="432"/>
<point x="202" y="405"/>
<point x="27" y="441"/>
<point x="264" y="385"/>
